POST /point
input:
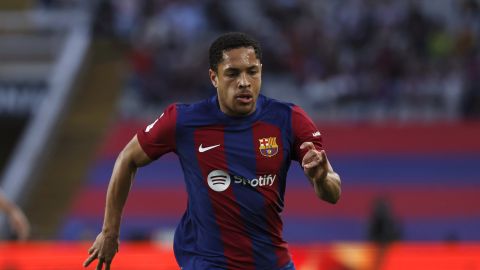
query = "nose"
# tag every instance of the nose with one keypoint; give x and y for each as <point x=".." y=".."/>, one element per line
<point x="243" y="82"/>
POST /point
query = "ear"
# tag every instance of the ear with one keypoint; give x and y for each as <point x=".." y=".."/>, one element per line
<point x="213" y="77"/>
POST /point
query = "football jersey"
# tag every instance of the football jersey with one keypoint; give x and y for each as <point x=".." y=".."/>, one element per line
<point x="235" y="172"/>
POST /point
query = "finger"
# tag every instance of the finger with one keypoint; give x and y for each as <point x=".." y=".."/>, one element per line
<point x="308" y="145"/>
<point x="309" y="157"/>
<point x="314" y="158"/>
<point x="323" y="154"/>
<point x="100" y="264"/>
<point x="324" y="160"/>
<point x="107" y="265"/>
<point x="90" y="250"/>
<point x="312" y="164"/>
<point x="90" y="259"/>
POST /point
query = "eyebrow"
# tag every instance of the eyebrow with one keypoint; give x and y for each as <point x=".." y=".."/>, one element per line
<point x="235" y="68"/>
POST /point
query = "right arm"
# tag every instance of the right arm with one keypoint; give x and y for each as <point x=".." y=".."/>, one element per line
<point x="106" y="244"/>
<point x="17" y="218"/>
<point x="151" y="143"/>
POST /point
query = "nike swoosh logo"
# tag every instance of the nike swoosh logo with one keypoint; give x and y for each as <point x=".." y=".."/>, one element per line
<point x="202" y="149"/>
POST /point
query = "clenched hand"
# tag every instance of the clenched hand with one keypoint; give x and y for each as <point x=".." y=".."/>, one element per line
<point x="314" y="163"/>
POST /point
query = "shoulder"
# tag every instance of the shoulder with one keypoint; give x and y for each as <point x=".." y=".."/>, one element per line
<point x="285" y="109"/>
<point x="271" y="104"/>
<point x="199" y="106"/>
<point x="196" y="114"/>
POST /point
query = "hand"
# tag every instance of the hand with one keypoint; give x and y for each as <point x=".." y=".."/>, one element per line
<point x="104" y="249"/>
<point x="314" y="163"/>
<point x="19" y="223"/>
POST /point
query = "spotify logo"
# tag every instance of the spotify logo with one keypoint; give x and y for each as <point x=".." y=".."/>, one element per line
<point x="218" y="180"/>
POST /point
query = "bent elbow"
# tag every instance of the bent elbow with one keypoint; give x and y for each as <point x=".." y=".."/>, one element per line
<point x="331" y="198"/>
<point x="125" y="159"/>
<point x="335" y="200"/>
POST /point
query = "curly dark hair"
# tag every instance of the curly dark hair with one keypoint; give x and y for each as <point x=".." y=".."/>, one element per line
<point x="230" y="41"/>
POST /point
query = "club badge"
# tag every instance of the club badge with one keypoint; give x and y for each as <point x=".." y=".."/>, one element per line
<point x="268" y="146"/>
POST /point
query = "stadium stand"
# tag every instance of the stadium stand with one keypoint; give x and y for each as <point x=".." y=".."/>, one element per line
<point x="41" y="52"/>
<point x="392" y="85"/>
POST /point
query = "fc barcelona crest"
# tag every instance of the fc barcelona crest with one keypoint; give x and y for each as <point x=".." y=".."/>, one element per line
<point x="268" y="146"/>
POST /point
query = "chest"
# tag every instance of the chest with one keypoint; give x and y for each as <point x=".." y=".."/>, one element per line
<point x="257" y="150"/>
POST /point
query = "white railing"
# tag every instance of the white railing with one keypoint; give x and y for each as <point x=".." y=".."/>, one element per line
<point x="28" y="152"/>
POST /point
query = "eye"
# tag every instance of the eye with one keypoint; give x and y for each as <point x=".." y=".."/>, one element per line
<point x="231" y="73"/>
<point x="253" y="71"/>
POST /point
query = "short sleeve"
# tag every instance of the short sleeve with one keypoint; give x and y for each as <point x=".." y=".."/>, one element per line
<point x="304" y="130"/>
<point x="158" y="138"/>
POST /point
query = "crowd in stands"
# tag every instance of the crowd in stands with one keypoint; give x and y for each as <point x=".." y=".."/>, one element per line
<point x="340" y="60"/>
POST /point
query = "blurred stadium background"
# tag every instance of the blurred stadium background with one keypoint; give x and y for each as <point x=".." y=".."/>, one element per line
<point x="392" y="84"/>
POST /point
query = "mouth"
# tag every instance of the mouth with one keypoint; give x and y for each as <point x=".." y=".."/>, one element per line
<point x="244" y="98"/>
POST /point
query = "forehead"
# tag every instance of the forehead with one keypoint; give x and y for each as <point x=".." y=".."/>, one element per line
<point x="244" y="56"/>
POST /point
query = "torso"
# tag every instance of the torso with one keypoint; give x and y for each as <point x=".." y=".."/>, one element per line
<point x="235" y="172"/>
<point x="236" y="181"/>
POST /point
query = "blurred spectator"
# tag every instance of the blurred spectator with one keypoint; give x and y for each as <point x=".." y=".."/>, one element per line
<point x="383" y="227"/>
<point x="352" y="59"/>
<point x="103" y="19"/>
<point x="58" y="4"/>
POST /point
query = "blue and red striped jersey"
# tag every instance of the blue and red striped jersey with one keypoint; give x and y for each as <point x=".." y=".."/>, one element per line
<point x="235" y="171"/>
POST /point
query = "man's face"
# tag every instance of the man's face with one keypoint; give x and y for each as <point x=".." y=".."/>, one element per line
<point x="238" y="81"/>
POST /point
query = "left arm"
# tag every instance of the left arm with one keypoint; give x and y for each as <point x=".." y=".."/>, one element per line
<point x="319" y="171"/>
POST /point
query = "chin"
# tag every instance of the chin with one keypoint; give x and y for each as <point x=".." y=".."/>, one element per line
<point x="244" y="111"/>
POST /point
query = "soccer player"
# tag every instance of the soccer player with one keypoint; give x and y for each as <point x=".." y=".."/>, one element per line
<point x="17" y="218"/>
<point x="235" y="149"/>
